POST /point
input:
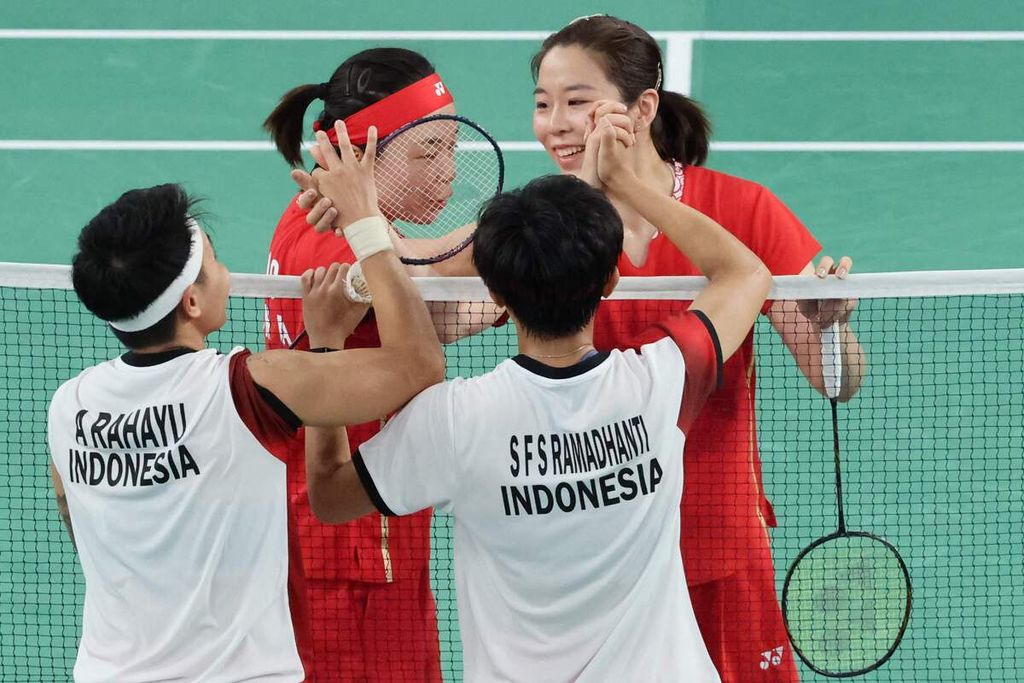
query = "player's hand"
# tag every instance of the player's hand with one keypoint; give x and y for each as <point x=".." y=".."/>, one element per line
<point x="320" y="211"/>
<point x="613" y="164"/>
<point x="345" y="179"/>
<point x="824" y="312"/>
<point x="615" y="113"/>
<point x="330" y="316"/>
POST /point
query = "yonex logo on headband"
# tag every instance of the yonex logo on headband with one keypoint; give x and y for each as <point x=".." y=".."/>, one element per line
<point x="412" y="102"/>
<point x="169" y="298"/>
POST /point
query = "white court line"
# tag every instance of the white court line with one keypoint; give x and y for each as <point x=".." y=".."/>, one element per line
<point x="729" y="36"/>
<point x="507" y="146"/>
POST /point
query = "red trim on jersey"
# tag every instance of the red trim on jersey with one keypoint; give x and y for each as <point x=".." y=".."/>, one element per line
<point x="266" y="424"/>
<point x="697" y="339"/>
<point x="412" y="102"/>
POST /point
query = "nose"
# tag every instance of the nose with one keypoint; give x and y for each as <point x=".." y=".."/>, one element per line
<point x="446" y="168"/>
<point x="559" y="120"/>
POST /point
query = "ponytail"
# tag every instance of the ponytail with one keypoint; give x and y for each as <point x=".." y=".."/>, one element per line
<point x="361" y="80"/>
<point x="681" y="129"/>
<point x="285" y="123"/>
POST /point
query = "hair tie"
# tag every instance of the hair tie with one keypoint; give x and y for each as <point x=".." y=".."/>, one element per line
<point x="321" y="90"/>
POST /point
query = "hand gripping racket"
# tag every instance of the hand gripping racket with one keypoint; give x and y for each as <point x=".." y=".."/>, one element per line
<point x="846" y="599"/>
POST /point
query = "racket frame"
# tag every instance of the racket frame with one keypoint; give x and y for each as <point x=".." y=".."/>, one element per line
<point x="382" y="146"/>
<point x="832" y="373"/>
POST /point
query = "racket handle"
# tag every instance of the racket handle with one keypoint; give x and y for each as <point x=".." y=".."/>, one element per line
<point x="356" y="288"/>
<point x="831" y="360"/>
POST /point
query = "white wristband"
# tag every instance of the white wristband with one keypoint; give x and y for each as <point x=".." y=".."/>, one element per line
<point x="368" y="236"/>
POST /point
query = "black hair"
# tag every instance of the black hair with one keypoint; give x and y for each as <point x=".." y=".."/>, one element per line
<point x="631" y="59"/>
<point x="129" y="253"/>
<point x="548" y="249"/>
<point x="362" y="79"/>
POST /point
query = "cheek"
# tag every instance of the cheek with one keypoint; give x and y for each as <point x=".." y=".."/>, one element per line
<point x="540" y="124"/>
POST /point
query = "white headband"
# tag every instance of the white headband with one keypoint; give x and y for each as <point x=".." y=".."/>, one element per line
<point x="168" y="300"/>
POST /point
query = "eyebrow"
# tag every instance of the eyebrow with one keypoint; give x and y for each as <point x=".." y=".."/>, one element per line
<point x="434" y="142"/>
<point x="569" y="88"/>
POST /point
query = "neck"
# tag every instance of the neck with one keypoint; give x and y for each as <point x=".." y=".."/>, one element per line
<point x="558" y="353"/>
<point x="185" y="339"/>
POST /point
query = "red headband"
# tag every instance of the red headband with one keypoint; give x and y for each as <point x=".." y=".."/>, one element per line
<point x="394" y="111"/>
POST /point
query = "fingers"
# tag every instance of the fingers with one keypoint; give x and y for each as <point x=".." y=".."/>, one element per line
<point x="602" y="108"/>
<point x="302" y="179"/>
<point x="834" y="311"/>
<point x="344" y="144"/>
<point x="824" y="266"/>
<point x="844" y="267"/>
<point x="317" y="156"/>
<point x="827" y="266"/>
<point x="370" y="153"/>
<point x="324" y="277"/>
<point x="322" y="215"/>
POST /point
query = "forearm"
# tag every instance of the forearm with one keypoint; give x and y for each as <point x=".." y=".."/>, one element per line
<point x="803" y="339"/>
<point x="401" y="314"/>
<point x="334" y="492"/>
<point x="715" y="251"/>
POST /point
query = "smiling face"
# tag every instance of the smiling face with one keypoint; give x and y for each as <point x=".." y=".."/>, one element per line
<point x="416" y="171"/>
<point x="569" y="81"/>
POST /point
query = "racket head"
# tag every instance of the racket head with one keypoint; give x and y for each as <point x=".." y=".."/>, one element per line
<point x="433" y="176"/>
<point x="846" y="603"/>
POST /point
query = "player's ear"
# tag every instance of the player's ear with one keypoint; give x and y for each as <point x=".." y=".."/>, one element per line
<point x="647" y="108"/>
<point x="190" y="306"/>
<point x="358" y="152"/>
<point x="610" y="283"/>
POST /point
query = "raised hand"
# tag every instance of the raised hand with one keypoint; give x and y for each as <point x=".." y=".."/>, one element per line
<point x="344" y="179"/>
<point x="330" y="315"/>
<point x="611" y="150"/>
<point x="616" y="114"/>
<point x="321" y="212"/>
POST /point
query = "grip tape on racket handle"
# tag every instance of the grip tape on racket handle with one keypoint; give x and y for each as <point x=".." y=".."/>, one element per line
<point x="356" y="288"/>
<point x="831" y="360"/>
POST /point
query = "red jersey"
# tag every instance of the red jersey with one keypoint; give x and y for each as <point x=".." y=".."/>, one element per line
<point x="724" y="510"/>
<point x="372" y="548"/>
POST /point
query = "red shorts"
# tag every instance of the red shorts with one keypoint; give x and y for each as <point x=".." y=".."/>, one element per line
<point x="374" y="632"/>
<point x="741" y="621"/>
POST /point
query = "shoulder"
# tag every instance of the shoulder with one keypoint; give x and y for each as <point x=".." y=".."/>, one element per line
<point x="704" y="178"/>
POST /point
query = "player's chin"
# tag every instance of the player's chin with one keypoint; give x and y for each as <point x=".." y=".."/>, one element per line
<point x="572" y="165"/>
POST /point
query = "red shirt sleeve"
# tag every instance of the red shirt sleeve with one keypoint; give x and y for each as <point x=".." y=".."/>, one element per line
<point x="779" y="239"/>
<point x="696" y="338"/>
<point x="269" y="420"/>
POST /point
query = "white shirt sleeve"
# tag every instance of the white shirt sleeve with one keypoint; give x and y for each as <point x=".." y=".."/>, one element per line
<point x="410" y="465"/>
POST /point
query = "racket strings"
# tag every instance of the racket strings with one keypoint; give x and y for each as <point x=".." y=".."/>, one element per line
<point x="847" y="603"/>
<point x="432" y="178"/>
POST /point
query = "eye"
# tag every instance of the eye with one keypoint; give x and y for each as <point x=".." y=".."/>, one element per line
<point x="540" y="105"/>
<point x="576" y="103"/>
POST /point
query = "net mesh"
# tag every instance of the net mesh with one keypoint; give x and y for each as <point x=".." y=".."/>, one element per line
<point x="932" y="449"/>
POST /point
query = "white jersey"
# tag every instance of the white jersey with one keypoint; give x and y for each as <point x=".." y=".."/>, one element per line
<point x="179" y="514"/>
<point x="565" y="487"/>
